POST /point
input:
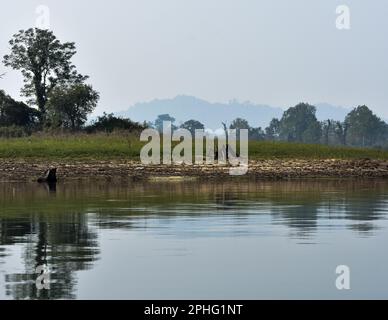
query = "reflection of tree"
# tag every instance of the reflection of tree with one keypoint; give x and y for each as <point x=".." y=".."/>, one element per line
<point x="302" y="218"/>
<point x="363" y="228"/>
<point x="356" y="203"/>
<point x="226" y="200"/>
<point x="11" y="231"/>
<point x="362" y="212"/>
<point x="302" y="205"/>
<point x="65" y="246"/>
<point x="2" y="254"/>
<point x="56" y="229"/>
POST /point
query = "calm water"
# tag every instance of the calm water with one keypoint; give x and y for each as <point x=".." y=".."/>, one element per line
<point x="179" y="240"/>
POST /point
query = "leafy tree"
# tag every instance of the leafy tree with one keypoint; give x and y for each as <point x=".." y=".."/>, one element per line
<point x="364" y="127"/>
<point x="326" y="128"/>
<point x="15" y="113"/>
<point x="109" y="123"/>
<point x="192" y="125"/>
<point x="69" y="106"/>
<point x="299" y="124"/>
<point x="272" y="132"/>
<point x="44" y="63"/>
<point x="239" y="123"/>
<point x="313" y="133"/>
<point x="161" y="118"/>
<point x="341" y="131"/>
<point x="256" y="134"/>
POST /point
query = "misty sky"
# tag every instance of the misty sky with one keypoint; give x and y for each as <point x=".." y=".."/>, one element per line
<point x="276" y="52"/>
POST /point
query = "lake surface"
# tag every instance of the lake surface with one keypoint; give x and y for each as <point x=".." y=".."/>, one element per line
<point x="192" y="240"/>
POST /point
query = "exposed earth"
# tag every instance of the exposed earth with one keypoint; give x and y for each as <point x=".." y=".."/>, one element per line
<point x="29" y="170"/>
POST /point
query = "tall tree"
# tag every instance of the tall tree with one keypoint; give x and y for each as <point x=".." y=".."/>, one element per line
<point x="272" y="132"/>
<point x="341" y="131"/>
<point x="192" y="125"/>
<point x="69" y="106"/>
<point x="256" y="134"/>
<point x="299" y="124"/>
<point x="161" y="118"/>
<point x="44" y="63"/>
<point x="326" y="127"/>
<point x="364" y="127"/>
<point x="313" y="133"/>
<point x="239" y="123"/>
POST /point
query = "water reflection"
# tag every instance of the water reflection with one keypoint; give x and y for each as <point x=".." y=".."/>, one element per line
<point x="66" y="243"/>
<point x="60" y="225"/>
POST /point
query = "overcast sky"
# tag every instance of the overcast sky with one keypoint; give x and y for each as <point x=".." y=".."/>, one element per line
<point x="276" y="52"/>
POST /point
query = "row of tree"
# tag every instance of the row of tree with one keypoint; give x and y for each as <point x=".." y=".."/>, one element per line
<point x="299" y="124"/>
<point x="59" y="97"/>
<point x="361" y="127"/>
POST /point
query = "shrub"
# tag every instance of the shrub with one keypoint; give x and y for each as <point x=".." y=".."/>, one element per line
<point x="109" y="123"/>
<point x="13" y="132"/>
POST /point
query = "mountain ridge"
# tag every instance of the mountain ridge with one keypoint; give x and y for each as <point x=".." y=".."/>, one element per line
<point x="185" y="107"/>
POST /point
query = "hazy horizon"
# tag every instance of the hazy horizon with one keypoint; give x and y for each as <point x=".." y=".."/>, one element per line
<point x="275" y="52"/>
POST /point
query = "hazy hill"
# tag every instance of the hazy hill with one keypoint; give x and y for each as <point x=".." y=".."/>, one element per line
<point x="184" y="108"/>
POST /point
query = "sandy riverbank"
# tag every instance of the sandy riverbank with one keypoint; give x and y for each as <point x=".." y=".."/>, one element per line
<point x="18" y="170"/>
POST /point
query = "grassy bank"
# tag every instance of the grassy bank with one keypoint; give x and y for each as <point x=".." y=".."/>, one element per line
<point x="103" y="147"/>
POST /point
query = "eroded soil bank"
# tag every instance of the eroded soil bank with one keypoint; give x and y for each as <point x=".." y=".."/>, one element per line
<point x="19" y="170"/>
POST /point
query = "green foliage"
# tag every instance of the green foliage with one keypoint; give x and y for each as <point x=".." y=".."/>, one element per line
<point x="287" y="150"/>
<point x="299" y="124"/>
<point x="256" y="134"/>
<point x="313" y="133"/>
<point x="69" y="105"/>
<point x="253" y="133"/>
<point x="64" y="101"/>
<point x="119" y="146"/>
<point x="13" y="132"/>
<point x="239" y="124"/>
<point x="365" y="128"/>
<point x="361" y="128"/>
<point x="161" y="118"/>
<point x="272" y="132"/>
<point x="192" y="125"/>
<point x="74" y="146"/>
<point x="44" y="63"/>
<point x="109" y="123"/>
<point x="16" y="114"/>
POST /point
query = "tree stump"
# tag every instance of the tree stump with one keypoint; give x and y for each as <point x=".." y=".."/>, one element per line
<point x="50" y="176"/>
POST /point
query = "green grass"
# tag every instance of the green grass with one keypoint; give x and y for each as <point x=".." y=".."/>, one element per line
<point x="116" y="146"/>
<point x="283" y="150"/>
<point x="71" y="147"/>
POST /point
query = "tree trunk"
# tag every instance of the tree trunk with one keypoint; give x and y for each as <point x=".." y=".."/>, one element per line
<point x="50" y="176"/>
<point x="40" y="97"/>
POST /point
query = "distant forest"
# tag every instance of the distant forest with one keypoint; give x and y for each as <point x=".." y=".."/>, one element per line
<point x="360" y="128"/>
<point x="59" y="99"/>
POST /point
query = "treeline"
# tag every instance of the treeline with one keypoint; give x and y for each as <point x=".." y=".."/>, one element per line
<point x="58" y="97"/>
<point x="360" y="128"/>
